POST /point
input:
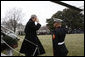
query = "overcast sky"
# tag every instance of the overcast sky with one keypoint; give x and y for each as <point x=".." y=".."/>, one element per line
<point x="43" y="9"/>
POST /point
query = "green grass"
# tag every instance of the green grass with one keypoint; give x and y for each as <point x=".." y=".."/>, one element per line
<point x="74" y="43"/>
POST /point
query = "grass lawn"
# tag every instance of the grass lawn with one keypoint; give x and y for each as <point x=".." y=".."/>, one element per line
<point x="74" y="43"/>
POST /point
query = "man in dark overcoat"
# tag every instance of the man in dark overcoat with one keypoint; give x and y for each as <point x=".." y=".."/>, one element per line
<point x="31" y="45"/>
<point x="59" y="33"/>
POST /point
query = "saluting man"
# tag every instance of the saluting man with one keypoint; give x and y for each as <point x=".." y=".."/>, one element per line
<point x="59" y="33"/>
<point x="31" y="41"/>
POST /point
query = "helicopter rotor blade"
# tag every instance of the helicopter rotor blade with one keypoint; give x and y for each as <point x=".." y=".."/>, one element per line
<point x="67" y="5"/>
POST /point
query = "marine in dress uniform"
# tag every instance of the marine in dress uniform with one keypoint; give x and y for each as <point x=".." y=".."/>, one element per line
<point x="58" y="34"/>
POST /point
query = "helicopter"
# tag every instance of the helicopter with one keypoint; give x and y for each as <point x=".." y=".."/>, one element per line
<point x="8" y="39"/>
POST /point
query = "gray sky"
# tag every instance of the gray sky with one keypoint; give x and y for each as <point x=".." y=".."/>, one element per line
<point x="43" y="9"/>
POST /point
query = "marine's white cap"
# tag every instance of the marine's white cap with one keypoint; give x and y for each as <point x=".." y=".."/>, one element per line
<point x="57" y="20"/>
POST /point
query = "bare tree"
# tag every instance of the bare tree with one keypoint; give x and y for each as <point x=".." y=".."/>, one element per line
<point x="12" y="18"/>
